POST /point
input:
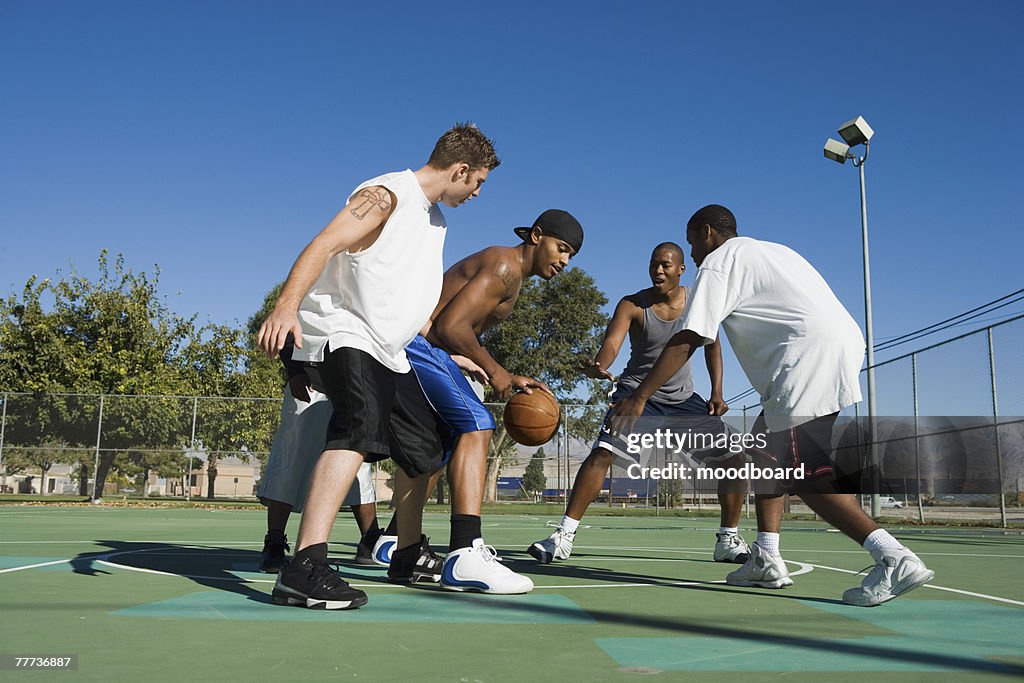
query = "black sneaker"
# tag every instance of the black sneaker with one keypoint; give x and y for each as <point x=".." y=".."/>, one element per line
<point x="315" y="585"/>
<point x="415" y="563"/>
<point x="364" y="551"/>
<point x="274" y="557"/>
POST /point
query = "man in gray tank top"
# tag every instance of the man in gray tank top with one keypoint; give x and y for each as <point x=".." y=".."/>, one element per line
<point x="651" y="317"/>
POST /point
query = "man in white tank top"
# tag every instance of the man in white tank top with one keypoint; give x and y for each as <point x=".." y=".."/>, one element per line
<point x="802" y="352"/>
<point x="356" y="296"/>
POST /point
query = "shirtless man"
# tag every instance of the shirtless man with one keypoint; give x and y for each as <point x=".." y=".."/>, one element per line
<point x="479" y="292"/>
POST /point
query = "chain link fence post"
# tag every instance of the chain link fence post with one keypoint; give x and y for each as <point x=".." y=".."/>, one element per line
<point x="96" y="463"/>
<point x="995" y="421"/>
<point x="191" y="450"/>
<point x="917" y="442"/>
<point x="3" y="428"/>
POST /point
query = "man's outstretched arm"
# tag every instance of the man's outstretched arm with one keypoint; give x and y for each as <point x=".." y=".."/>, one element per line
<point x="675" y="354"/>
<point x="713" y="359"/>
<point x="618" y="327"/>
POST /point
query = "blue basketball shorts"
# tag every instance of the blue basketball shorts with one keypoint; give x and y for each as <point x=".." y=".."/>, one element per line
<point x="448" y="392"/>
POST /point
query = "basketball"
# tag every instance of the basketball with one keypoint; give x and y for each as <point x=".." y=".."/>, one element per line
<point x="532" y="419"/>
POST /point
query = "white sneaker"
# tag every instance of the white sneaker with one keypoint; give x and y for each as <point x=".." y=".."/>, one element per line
<point x="731" y="548"/>
<point x="896" y="571"/>
<point x="477" y="569"/>
<point x="383" y="548"/>
<point x="557" y="546"/>
<point x="761" y="570"/>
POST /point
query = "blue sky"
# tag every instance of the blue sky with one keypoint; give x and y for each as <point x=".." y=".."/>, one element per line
<point x="216" y="138"/>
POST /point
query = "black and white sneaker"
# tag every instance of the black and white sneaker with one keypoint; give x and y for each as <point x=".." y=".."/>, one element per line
<point x="306" y="583"/>
<point x="414" y="564"/>
<point x="273" y="557"/>
<point x="364" y="551"/>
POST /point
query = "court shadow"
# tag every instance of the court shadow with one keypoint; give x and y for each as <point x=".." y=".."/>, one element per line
<point x="210" y="566"/>
<point x="758" y="639"/>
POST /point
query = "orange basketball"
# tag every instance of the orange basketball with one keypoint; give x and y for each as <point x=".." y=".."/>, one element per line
<point x="532" y="419"/>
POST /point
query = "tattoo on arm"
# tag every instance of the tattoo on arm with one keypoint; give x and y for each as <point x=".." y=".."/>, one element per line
<point x="505" y="274"/>
<point x="370" y="198"/>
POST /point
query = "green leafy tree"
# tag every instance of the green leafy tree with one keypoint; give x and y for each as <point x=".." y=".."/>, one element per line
<point x="556" y="325"/>
<point x="226" y="362"/>
<point x="534" y="480"/>
<point x="114" y="337"/>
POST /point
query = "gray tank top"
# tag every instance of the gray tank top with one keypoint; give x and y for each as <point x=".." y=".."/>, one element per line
<point x="645" y="346"/>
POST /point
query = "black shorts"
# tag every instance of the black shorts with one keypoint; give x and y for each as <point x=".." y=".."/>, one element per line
<point x="807" y="446"/>
<point x="379" y="413"/>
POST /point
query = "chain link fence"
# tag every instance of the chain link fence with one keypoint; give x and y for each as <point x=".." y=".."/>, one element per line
<point x="187" y="446"/>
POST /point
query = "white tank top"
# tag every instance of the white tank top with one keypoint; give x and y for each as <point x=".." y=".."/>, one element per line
<point x="377" y="300"/>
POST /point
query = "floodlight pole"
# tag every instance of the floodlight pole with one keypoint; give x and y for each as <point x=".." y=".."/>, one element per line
<point x="873" y="460"/>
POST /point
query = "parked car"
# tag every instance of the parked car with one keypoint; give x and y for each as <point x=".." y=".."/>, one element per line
<point x="890" y="502"/>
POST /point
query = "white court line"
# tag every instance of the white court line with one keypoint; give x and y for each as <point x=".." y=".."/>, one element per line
<point x="103" y="559"/>
<point x="804" y="568"/>
<point x="198" y="545"/>
<point x="938" y="588"/>
<point x="32" y="566"/>
<point x="202" y="545"/>
<point x="704" y="549"/>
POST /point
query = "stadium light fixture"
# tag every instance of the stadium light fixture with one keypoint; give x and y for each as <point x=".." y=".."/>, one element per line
<point x="858" y="132"/>
<point x="836" y="151"/>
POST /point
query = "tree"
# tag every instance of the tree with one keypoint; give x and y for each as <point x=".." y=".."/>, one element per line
<point x="556" y="325"/>
<point x="534" y="480"/>
<point x="226" y="362"/>
<point x="114" y="337"/>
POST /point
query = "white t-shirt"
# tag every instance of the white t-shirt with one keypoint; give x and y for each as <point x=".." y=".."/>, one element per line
<point x="378" y="299"/>
<point x="798" y="346"/>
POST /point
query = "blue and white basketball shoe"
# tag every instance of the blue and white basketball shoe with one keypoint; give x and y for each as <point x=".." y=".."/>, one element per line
<point x="477" y="568"/>
<point x="383" y="548"/>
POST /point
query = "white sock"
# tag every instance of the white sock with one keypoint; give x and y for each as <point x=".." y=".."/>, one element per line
<point x="769" y="542"/>
<point x="723" y="530"/>
<point x="569" y="524"/>
<point x="880" y="539"/>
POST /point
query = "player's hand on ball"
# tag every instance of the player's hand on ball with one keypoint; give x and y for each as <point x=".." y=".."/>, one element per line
<point x="717" y="406"/>
<point x="526" y="384"/>
<point x="502" y="383"/>
<point x="624" y="414"/>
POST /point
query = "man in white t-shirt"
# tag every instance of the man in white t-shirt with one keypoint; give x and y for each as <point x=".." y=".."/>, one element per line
<point x="356" y="296"/>
<point x="802" y="352"/>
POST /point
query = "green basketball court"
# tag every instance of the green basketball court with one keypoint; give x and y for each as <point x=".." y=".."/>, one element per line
<point x="172" y="594"/>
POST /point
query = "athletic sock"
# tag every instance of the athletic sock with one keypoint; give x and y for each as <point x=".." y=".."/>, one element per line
<point x="569" y="525"/>
<point x="276" y="535"/>
<point x="769" y="542"/>
<point x="880" y="539"/>
<point x="465" y="529"/>
<point x="316" y="552"/>
<point x="723" y="530"/>
<point x="392" y="529"/>
<point x="409" y="548"/>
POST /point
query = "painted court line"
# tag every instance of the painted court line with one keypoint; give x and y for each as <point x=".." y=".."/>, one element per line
<point x="32" y="566"/>
<point x="702" y="549"/>
<point x="104" y="559"/>
<point x="984" y="596"/>
<point x="684" y="550"/>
